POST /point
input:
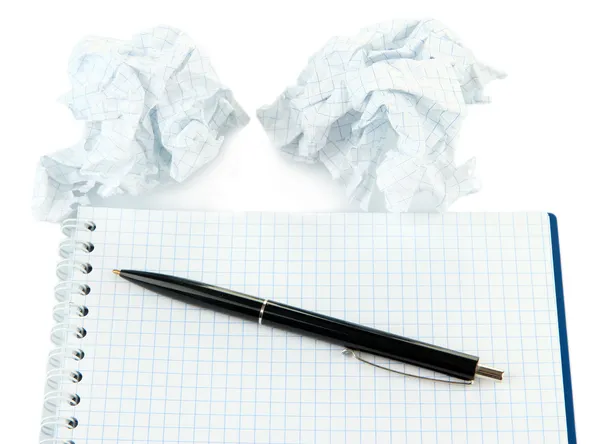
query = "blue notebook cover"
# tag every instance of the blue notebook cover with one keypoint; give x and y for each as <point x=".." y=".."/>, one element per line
<point x="562" y="327"/>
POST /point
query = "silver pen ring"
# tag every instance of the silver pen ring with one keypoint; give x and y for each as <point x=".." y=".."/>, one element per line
<point x="262" y="311"/>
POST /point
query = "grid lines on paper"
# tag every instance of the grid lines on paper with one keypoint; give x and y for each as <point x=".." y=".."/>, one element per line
<point x="157" y="370"/>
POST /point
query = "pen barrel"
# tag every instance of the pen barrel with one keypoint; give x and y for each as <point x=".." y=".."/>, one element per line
<point x="197" y="293"/>
<point x="358" y="337"/>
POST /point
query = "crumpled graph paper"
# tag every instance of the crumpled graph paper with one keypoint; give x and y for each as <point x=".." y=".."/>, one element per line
<point x="154" y="110"/>
<point x="384" y="108"/>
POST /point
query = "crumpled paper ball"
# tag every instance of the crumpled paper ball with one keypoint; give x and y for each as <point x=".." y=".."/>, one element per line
<point x="384" y="107"/>
<point x="155" y="112"/>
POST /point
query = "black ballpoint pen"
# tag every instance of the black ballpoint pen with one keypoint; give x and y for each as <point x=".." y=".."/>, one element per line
<point x="353" y="336"/>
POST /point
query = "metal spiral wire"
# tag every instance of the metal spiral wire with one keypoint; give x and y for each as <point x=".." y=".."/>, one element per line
<point x="61" y="379"/>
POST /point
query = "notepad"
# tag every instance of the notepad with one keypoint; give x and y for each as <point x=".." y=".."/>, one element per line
<point x="134" y="367"/>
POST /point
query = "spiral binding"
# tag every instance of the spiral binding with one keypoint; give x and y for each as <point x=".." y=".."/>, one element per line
<point x="61" y="380"/>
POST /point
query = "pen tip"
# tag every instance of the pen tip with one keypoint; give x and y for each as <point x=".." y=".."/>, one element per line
<point x="117" y="272"/>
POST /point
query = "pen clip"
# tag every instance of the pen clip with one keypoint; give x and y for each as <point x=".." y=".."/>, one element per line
<point x="354" y="354"/>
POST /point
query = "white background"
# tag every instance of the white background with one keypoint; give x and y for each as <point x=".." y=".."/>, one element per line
<point x="536" y="144"/>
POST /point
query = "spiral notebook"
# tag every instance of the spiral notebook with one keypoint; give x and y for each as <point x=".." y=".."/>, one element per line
<point x="133" y="367"/>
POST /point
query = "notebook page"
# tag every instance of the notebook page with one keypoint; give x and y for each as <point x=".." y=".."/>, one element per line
<point x="157" y="370"/>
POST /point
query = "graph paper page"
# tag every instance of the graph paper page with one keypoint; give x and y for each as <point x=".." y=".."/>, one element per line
<point x="157" y="370"/>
